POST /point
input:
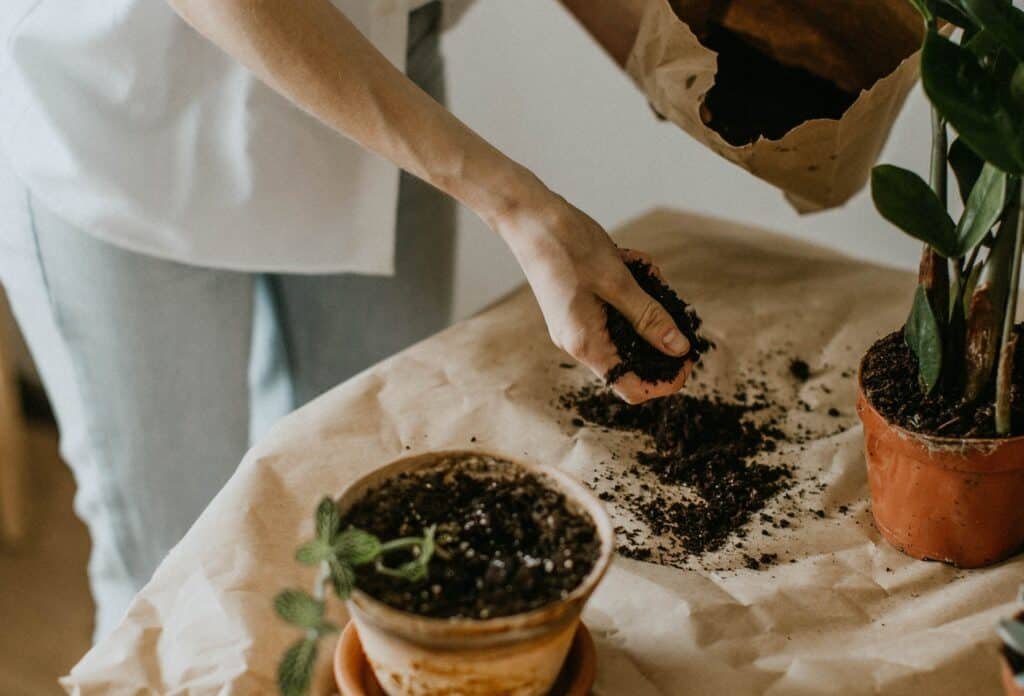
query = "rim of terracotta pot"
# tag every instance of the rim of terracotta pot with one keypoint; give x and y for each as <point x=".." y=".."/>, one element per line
<point x="936" y="442"/>
<point x="438" y="633"/>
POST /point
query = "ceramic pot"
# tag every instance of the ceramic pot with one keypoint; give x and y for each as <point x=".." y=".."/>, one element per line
<point x="519" y="655"/>
<point x="956" y="500"/>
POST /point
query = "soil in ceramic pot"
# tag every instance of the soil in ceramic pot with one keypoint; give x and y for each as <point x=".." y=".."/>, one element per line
<point x="505" y="545"/>
<point x="756" y="96"/>
<point x="704" y="444"/>
<point x="889" y="379"/>
<point x="638" y="356"/>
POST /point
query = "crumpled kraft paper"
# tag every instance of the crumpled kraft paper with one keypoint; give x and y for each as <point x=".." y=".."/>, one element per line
<point x="867" y="46"/>
<point x="848" y="615"/>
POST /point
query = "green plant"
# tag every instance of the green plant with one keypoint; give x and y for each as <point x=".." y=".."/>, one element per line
<point x="961" y="323"/>
<point x="1011" y="632"/>
<point x="338" y="553"/>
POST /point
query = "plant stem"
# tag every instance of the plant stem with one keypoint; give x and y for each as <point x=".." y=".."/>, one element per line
<point x="1004" y="379"/>
<point x="939" y="165"/>
<point x="403" y="543"/>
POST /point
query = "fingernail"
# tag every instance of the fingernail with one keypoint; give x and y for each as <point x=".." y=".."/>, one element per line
<point x="676" y="342"/>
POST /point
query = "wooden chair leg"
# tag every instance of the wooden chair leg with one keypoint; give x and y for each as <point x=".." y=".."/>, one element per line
<point x="13" y="445"/>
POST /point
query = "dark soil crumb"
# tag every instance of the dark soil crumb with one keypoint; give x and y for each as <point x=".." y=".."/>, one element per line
<point x="800" y="370"/>
<point x="889" y="378"/>
<point x="637" y="355"/>
<point x="505" y="546"/>
<point x="834" y="412"/>
<point x="755" y="95"/>
<point x="702" y="443"/>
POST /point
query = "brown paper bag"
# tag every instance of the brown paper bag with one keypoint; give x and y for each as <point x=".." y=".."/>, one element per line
<point x="801" y="93"/>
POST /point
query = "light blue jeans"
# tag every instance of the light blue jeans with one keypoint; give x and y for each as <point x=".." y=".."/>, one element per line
<point x="161" y="373"/>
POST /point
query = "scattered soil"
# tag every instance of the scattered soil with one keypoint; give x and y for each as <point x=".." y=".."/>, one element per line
<point x="756" y="96"/>
<point x="506" y="545"/>
<point x="889" y="378"/>
<point x="636" y="354"/>
<point x="800" y="370"/>
<point x="702" y="443"/>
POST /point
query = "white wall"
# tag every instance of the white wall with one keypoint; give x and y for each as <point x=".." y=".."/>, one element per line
<point x="525" y="76"/>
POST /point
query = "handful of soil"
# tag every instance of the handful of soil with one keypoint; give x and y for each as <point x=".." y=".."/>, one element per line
<point x="638" y="356"/>
<point x="889" y="379"/>
<point x="507" y="543"/>
<point x="756" y="96"/>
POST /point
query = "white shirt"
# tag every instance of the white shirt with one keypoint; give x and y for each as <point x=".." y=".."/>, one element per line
<point x="128" y="124"/>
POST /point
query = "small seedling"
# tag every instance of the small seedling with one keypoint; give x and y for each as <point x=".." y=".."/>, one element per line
<point x="338" y="553"/>
<point x="1011" y="631"/>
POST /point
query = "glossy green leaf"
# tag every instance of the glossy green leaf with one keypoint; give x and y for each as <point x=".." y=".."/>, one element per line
<point x="984" y="207"/>
<point x="978" y="106"/>
<point x="295" y="671"/>
<point x="966" y="166"/>
<point x="357" y="547"/>
<point x="299" y="608"/>
<point x="905" y="200"/>
<point x="922" y="336"/>
<point x="328" y="519"/>
<point x="999" y="17"/>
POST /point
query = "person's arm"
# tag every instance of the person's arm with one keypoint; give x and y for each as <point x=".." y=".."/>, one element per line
<point x="614" y="24"/>
<point x="309" y="51"/>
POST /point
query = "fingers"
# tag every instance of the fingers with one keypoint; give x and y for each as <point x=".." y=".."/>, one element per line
<point x="633" y="390"/>
<point x="654" y="324"/>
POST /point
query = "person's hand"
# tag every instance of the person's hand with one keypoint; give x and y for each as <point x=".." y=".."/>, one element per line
<point x="574" y="268"/>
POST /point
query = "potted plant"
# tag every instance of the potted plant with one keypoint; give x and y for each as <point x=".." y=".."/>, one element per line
<point x="1011" y="632"/>
<point x="942" y="401"/>
<point x="478" y="589"/>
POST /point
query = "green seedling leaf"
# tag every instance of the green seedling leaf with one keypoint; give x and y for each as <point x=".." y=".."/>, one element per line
<point x="356" y="547"/>
<point x="977" y="105"/>
<point x="905" y="200"/>
<point x="343" y="578"/>
<point x="966" y="165"/>
<point x="999" y="17"/>
<point x="313" y="552"/>
<point x="295" y="671"/>
<point x="922" y="335"/>
<point x="984" y="207"/>
<point x="327" y="520"/>
<point x="299" y="609"/>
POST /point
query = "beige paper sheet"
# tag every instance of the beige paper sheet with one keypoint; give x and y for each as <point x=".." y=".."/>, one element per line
<point x="819" y="164"/>
<point x="850" y="615"/>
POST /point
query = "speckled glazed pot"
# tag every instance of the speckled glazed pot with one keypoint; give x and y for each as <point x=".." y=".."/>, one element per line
<point x="955" y="500"/>
<point x="519" y="655"/>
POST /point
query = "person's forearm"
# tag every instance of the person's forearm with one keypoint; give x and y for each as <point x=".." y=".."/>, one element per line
<point x="613" y="23"/>
<point x="310" y="52"/>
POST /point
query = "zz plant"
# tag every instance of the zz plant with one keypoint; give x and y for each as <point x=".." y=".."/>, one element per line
<point x="338" y="553"/>
<point x="961" y="325"/>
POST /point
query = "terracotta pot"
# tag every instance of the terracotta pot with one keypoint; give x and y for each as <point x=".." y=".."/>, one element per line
<point x="353" y="676"/>
<point x="960" y="501"/>
<point x="519" y="655"/>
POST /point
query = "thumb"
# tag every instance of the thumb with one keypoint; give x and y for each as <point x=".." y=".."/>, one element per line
<point x="652" y="322"/>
